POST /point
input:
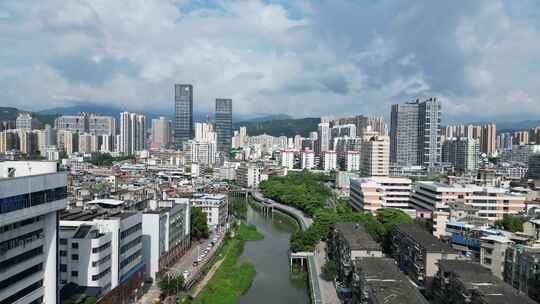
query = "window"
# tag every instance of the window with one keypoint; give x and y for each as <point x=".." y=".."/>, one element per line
<point x="63" y="253"/>
<point x="63" y="267"/>
<point x="75" y="245"/>
<point x="74" y="273"/>
<point x="63" y="241"/>
<point x="75" y="257"/>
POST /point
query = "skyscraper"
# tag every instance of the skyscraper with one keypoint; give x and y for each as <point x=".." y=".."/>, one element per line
<point x="223" y="122"/>
<point x="160" y="132"/>
<point x="132" y="133"/>
<point x="488" y="139"/>
<point x="183" y="113"/>
<point x="415" y="133"/>
<point x="323" y="138"/>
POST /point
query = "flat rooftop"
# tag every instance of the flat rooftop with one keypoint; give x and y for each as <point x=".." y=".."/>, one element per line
<point x="424" y="238"/>
<point x="90" y="215"/>
<point x="386" y="283"/>
<point x="357" y="236"/>
<point x="474" y="276"/>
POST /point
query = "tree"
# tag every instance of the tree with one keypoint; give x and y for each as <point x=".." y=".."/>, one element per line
<point x="329" y="271"/>
<point x="510" y="223"/>
<point x="171" y="284"/>
<point x="389" y="217"/>
<point x="199" y="227"/>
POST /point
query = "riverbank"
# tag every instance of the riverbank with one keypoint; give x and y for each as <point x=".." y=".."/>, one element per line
<point x="231" y="279"/>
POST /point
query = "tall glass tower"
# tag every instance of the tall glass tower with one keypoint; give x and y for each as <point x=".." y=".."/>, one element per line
<point x="183" y="113"/>
<point x="223" y="122"/>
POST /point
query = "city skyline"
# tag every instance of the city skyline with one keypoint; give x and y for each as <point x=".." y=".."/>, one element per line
<point x="279" y="55"/>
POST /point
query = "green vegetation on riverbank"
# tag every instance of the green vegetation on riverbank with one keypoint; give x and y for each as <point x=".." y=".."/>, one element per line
<point x="232" y="279"/>
<point x="306" y="192"/>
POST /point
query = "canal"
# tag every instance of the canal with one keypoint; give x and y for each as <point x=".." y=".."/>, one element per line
<point x="275" y="282"/>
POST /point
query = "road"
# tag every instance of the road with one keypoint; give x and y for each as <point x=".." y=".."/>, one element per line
<point x="185" y="263"/>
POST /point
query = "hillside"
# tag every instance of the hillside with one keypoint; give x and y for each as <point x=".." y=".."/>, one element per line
<point x="288" y="127"/>
<point x="10" y="114"/>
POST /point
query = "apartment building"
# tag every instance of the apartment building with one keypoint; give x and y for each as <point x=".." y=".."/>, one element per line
<point x="307" y="159"/>
<point x="127" y="269"/>
<point x="329" y="160"/>
<point x="379" y="281"/>
<point x="351" y="161"/>
<point x="214" y="205"/>
<point x="374" y="158"/>
<point x="492" y="253"/>
<point x="347" y="242"/>
<point x="491" y="202"/>
<point x="287" y="158"/>
<point x="469" y="282"/>
<point x="417" y="252"/>
<point x="165" y="233"/>
<point x="31" y="195"/>
<point x="248" y="175"/>
<point x="522" y="269"/>
<point x="372" y="193"/>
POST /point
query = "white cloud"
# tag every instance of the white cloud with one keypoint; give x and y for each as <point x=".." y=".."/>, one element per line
<point x="313" y="58"/>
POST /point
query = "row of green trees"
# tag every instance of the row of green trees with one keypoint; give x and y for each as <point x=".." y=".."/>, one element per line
<point x="303" y="191"/>
<point x="306" y="191"/>
<point x="105" y="159"/>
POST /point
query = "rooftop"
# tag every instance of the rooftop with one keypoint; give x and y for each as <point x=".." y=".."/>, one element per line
<point x="424" y="238"/>
<point x="357" y="236"/>
<point x="474" y="276"/>
<point x="90" y="215"/>
<point x="387" y="284"/>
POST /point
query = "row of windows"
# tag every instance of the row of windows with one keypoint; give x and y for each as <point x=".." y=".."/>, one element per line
<point x="20" y="276"/>
<point x="130" y="230"/>
<point x="101" y="248"/>
<point x="101" y="274"/>
<point x="131" y="244"/>
<point x="101" y="261"/>
<point x="22" y="293"/>
<point x="130" y="258"/>
<point x="22" y="240"/>
<point x="17" y="202"/>
<point x="21" y="258"/>
<point x="20" y="224"/>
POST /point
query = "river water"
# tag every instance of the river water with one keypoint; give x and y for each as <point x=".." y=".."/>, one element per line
<point x="275" y="282"/>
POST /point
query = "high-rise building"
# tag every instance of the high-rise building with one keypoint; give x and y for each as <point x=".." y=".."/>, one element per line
<point x="183" y="113"/>
<point x="32" y="193"/>
<point x="205" y="132"/>
<point x="223" y="122"/>
<point x="521" y="138"/>
<point x="87" y="122"/>
<point x="329" y="160"/>
<point x="26" y="121"/>
<point x="307" y="159"/>
<point x="351" y="161"/>
<point x="374" y="158"/>
<point x="323" y="138"/>
<point x="415" y="133"/>
<point x="161" y="132"/>
<point x="85" y="143"/>
<point x="488" y="139"/>
<point x="534" y="167"/>
<point x="287" y="158"/>
<point x="67" y="141"/>
<point x="462" y="153"/>
<point x="27" y="141"/>
<point x="132" y="133"/>
<point x="373" y="123"/>
<point x="200" y="152"/>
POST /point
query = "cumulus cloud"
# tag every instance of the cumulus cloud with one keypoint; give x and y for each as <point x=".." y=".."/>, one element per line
<point x="307" y="58"/>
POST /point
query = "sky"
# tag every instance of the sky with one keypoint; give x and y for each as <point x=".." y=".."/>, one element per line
<point x="302" y="58"/>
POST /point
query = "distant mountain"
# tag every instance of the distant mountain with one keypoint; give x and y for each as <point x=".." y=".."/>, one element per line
<point x="287" y="127"/>
<point x="10" y="114"/>
<point x="269" y="118"/>
<point x="115" y="111"/>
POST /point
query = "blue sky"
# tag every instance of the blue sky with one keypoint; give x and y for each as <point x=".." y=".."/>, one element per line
<point x="302" y="58"/>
